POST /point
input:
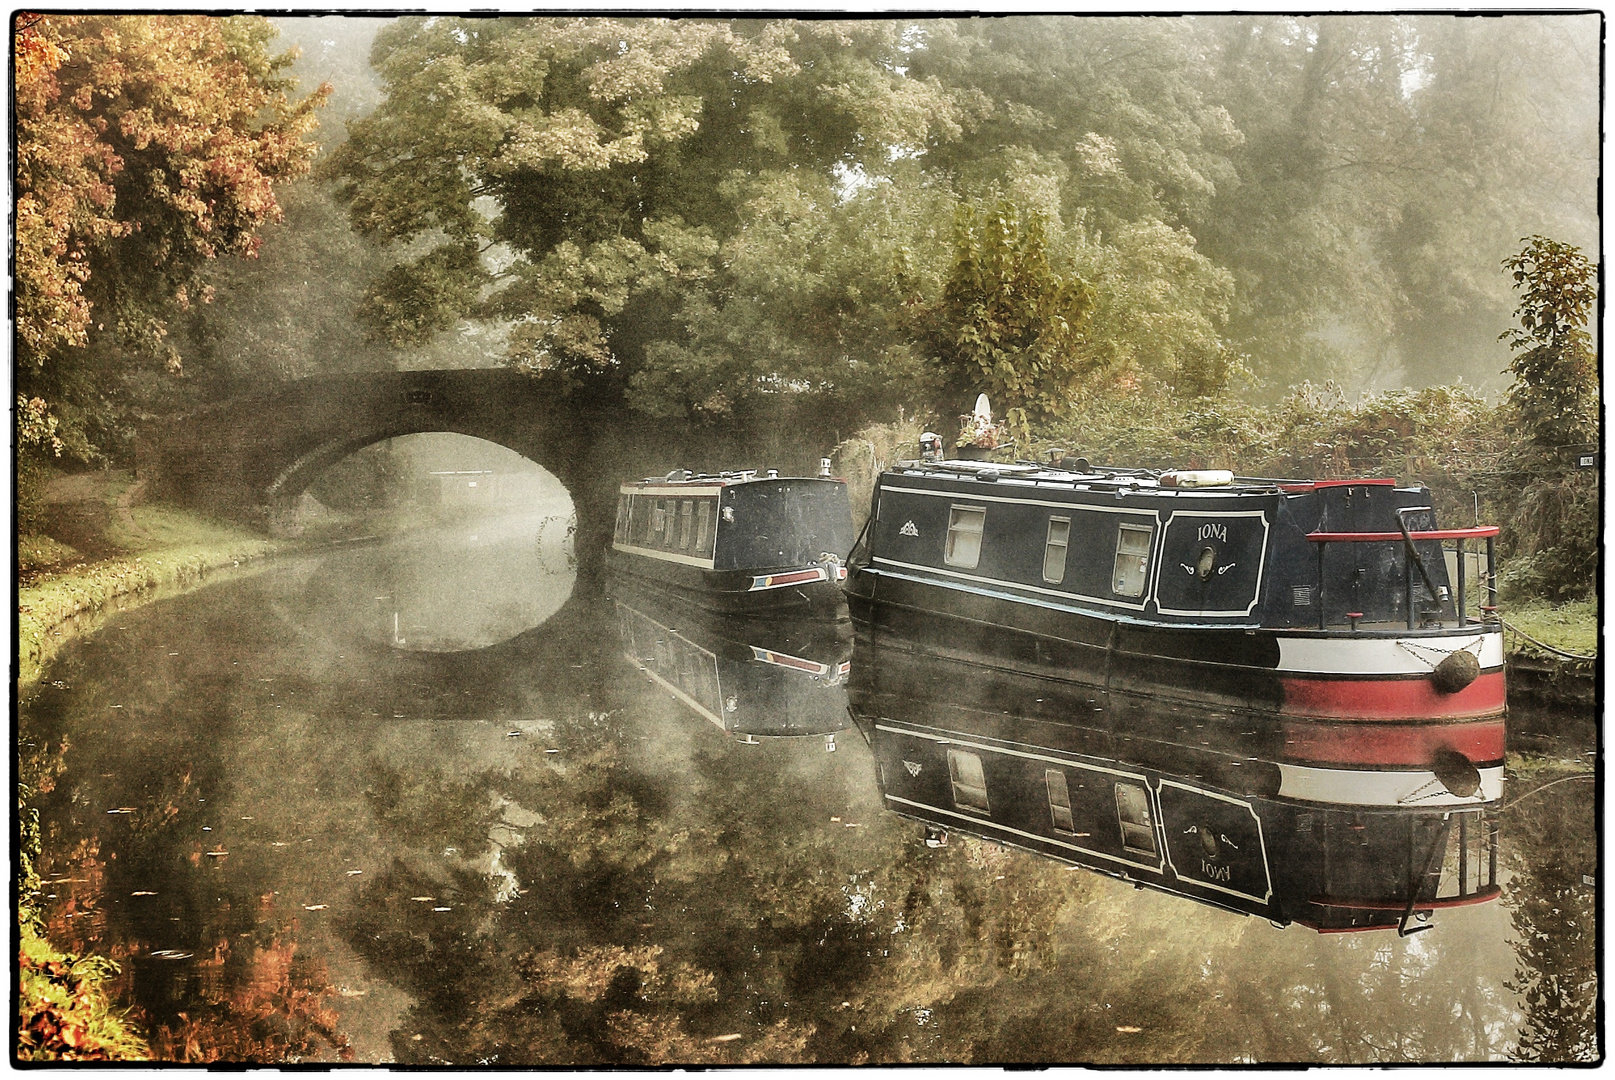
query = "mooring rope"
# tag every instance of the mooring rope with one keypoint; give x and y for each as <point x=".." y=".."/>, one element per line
<point x="1544" y="645"/>
<point x="1544" y="787"/>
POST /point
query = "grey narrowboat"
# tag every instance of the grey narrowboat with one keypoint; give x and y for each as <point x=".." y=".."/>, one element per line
<point x="738" y="541"/>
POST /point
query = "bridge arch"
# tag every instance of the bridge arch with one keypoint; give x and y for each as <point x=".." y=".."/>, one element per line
<point x="253" y="456"/>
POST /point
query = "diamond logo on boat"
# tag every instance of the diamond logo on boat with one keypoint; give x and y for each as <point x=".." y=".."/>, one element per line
<point x="909" y="529"/>
<point x="913" y="767"/>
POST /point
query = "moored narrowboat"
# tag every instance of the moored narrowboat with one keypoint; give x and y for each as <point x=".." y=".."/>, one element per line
<point x="739" y="542"/>
<point x="1326" y="613"/>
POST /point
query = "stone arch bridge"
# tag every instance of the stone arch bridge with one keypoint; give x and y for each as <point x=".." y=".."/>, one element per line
<point x="252" y="457"/>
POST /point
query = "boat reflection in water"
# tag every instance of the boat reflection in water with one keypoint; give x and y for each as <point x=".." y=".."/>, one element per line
<point x="750" y="676"/>
<point x="1213" y="808"/>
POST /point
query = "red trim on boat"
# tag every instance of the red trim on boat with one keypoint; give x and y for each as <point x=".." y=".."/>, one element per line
<point x="785" y="660"/>
<point x="794" y="577"/>
<point x="1391" y="744"/>
<point x="1414" y="698"/>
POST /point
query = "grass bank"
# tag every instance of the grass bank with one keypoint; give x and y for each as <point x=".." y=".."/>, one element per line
<point x="1569" y="627"/>
<point x="60" y="593"/>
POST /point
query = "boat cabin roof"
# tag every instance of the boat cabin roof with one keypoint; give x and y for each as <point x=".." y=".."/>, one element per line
<point x="1107" y="478"/>
<point x="684" y="478"/>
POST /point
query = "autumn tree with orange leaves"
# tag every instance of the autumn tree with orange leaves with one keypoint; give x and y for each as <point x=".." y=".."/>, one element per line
<point x="146" y="146"/>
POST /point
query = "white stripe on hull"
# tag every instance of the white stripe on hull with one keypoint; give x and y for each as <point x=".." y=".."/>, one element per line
<point x="1359" y="787"/>
<point x="1385" y="656"/>
<point x="665" y="556"/>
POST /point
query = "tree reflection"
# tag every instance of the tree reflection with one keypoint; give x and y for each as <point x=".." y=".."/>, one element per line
<point x="1555" y="916"/>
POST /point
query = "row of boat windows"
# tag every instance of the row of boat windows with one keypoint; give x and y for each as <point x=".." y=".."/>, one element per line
<point x="1132" y="802"/>
<point x="965" y="525"/>
<point x="668" y="524"/>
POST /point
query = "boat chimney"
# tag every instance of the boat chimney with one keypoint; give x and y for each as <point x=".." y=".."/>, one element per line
<point x="773" y="474"/>
<point x="824" y="468"/>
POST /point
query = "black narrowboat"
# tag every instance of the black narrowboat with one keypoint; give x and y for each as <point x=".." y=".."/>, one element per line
<point x="738" y="541"/>
<point x="1327" y="614"/>
<point x="750" y="676"/>
<point x="1198" y="807"/>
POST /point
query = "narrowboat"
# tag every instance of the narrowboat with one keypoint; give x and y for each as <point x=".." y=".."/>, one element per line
<point x="1326" y="615"/>
<point x="738" y="541"/>
<point x="751" y="677"/>
<point x="1206" y="809"/>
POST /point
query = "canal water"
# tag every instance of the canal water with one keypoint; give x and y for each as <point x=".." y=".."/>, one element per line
<point x="424" y="802"/>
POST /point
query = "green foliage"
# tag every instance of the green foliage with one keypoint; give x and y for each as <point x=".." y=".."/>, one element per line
<point x="1551" y="537"/>
<point x="64" y="1013"/>
<point x="1551" y="534"/>
<point x="1447" y="437"/>
<point x="1555" y="365"/>
<point x="1008" y="322"/>
<point x="1570" y="625"/>
<point x="597" y="166"/>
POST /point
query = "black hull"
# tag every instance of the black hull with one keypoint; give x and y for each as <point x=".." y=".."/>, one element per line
<point x="1089" y="661"/>
<point x="730" y="592"/>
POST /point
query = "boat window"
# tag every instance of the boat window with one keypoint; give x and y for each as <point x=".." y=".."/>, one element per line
<point x="703" y="525"/>
<point x="620" y="533"/>
<point x="638" y="519"/>
<point x="658" y="523"/>
<point x="1132" y="555"/>
<point x="1133" y="811"/>
<point x="1054" y="550"/>
<point x="964" y="536"/>
<point x="969" y="782"/>
<point x="1059" y="800"/>
<point x="686" y="516"/>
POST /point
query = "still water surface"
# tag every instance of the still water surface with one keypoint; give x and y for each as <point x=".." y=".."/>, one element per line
<point x="354" y="808"/>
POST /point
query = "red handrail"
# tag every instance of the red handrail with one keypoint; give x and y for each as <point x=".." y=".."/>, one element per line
<point x="1474" y="533"/>
<point x="1479" y="896"/>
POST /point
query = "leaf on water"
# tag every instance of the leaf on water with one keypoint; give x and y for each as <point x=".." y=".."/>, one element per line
<point x="278" y="843"/>
<point x="512" y="734"/>
<point x="731" y="1037"/>
<point x="1129" y="1030"/>
<point x="353" y="873"/>
<point x="143" y="892"/>
<point x="443" y="909"/>
<point x="314" y="907"/>
<point x="216" y="854"/>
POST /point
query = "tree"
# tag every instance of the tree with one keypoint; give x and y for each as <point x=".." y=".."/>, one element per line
<point x="577" y="178"/>
<point x="146" y="146"/>
<point x="1009" y="323"/>
<point x="1553" y="533"/>
<point x="1555" y="365"/>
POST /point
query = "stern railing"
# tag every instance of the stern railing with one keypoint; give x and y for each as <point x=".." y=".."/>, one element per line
<point x="1411" y="560"/>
